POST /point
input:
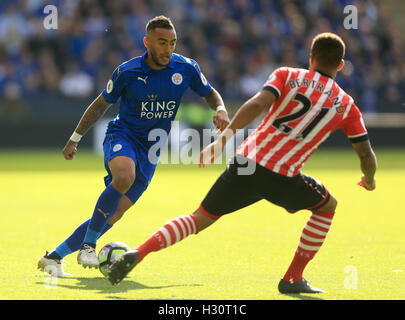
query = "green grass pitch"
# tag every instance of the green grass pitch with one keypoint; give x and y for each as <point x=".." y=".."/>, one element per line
<point x="241" y="257"/>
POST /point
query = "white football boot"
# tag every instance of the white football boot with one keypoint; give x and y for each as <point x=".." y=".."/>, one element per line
<point x="87" y="257"/>
<point x="53" y="267"/>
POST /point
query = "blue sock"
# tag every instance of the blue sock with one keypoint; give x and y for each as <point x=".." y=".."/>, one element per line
<point x="74" y="241"/>
<point x="105" y="208"/>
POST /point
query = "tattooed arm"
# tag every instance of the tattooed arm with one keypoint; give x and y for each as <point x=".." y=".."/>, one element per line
<point x="94" y="112"/>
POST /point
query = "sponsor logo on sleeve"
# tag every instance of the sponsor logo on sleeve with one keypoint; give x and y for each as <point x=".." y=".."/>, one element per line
<point x="110" y="86"/>
<point x="117" y="147"/>
<point x="203" y="79"/>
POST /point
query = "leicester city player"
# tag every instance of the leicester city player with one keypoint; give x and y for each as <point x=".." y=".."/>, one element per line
<point x="150" y="87"/>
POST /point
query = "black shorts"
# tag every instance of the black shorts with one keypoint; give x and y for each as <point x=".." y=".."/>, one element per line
<point x="233" y="191"/>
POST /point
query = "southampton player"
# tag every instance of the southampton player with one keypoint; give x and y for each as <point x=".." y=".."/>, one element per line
<point x="150" y="87"/>
<point x="306" y="107"/>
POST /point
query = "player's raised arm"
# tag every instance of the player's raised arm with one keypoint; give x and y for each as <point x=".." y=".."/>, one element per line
<point x="94" y="112"/>
<point x="244" y="116"/>
<point x="251" y="109"/>
<point x="368" y="164"/>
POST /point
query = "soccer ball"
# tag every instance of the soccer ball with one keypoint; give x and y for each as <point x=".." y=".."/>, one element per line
<point x="109" y="254"/>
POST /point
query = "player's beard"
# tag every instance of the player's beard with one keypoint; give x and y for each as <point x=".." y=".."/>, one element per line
<point x="156" y="60"/>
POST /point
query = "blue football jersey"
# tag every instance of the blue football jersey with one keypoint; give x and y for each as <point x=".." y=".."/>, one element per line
<point x="150" y="98"/>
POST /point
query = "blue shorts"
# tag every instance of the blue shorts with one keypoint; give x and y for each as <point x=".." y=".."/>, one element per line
<point x="119" y="144"/>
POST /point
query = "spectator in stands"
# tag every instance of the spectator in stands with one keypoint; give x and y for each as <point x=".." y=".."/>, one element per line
<point x="237" y="42"/>
<point x="76" y="83"/>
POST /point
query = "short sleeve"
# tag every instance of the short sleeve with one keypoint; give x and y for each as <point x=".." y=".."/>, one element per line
<point x="199" y="83"/>
<point x="353" y="125"/>
<point x="115" y="86"/>
<point x="275" y="82"/>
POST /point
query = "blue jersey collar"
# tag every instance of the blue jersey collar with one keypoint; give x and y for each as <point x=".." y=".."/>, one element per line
<point x="146" y="67"/>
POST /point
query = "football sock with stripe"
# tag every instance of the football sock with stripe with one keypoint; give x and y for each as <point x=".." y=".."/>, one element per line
<point x="171" y="233"/>
<point x="312" y="237"/>
<point x="105" y="208"/>
<point x="74" y="241"/>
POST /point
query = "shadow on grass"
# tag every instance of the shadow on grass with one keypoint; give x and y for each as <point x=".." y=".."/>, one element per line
<point x="301" y="296"/>
<point x="102" y="286"/>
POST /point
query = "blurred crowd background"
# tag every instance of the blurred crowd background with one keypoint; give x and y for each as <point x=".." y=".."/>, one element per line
<point x="237" y="43"/>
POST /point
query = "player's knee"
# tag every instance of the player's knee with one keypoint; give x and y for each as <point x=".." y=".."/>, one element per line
<point x="334" y="204"/>
<point x="330" y="206"/>
<point x="122" y="181"/>
<point x="203" y="220"/>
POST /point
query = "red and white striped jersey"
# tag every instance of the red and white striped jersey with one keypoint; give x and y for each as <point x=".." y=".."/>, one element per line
<point x="308" y="108"/>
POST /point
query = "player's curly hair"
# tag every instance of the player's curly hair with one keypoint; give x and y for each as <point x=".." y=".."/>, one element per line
<point x="159" y="22"/>
<point x="328" y="49"/>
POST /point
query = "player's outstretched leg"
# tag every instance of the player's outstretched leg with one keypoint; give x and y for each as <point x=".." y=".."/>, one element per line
<point x="105" y="208"/>
<point x="312" y="237"/>
<point x="123" y="176"/>
<point x="120" y="269"/>
<point x="54" y="260"/>
<point x="172" y="232"/>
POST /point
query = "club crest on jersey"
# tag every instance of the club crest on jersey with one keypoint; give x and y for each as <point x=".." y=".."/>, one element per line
<point x="340" y="109"/>
<point x="177" y="78"/>
<point x="110" y="86"/>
